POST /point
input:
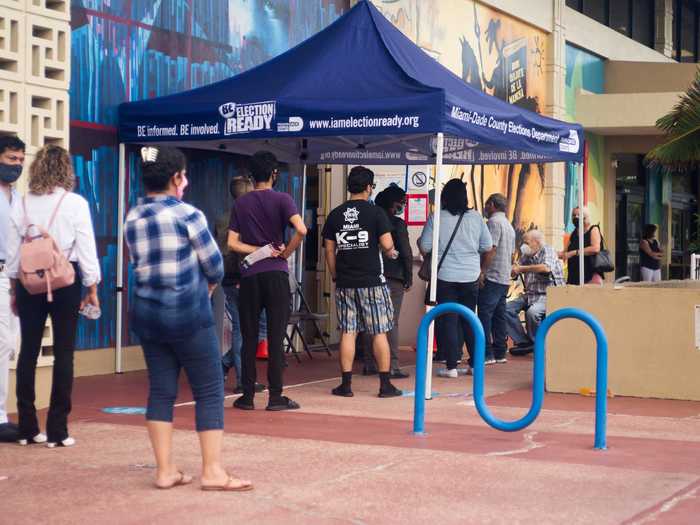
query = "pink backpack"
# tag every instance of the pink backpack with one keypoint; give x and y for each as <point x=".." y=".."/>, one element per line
<point x="42" y="265"/>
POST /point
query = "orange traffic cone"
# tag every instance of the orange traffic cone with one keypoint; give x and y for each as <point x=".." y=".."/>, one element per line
<point x="261" y="353"/>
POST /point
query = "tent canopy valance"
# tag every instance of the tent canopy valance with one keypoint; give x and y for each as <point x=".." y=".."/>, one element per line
<point x="357" y="92"/>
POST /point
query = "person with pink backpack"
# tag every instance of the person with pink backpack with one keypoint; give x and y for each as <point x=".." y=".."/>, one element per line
<point x="52" y="255"/>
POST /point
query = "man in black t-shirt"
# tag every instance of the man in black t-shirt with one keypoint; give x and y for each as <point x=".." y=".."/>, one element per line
<point x="353" y="235"/>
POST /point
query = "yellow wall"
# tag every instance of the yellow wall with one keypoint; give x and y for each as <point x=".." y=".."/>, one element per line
<point x="447" y="30"/>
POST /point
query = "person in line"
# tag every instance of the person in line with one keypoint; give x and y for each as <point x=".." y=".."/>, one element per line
<point x="65" y="216"/>
<point x="591" y="244"/>
<point x="260" y="218"/>
<point x="540" y="269"/>
<point x="353" y="235"/>
<point x="239" y="186"/>
<point x="398" y="273"/>
<point x="11" y="162"/>
<point x="650" y="255"/>
<point x="177" y="266"/>
<point x="458" y="276"/>
<point x="495" y="281"/>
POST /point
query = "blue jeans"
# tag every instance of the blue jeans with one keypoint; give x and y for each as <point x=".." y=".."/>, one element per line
<point x="451" y="330"/>
<point x="232" y="358"/>
<point x="534" y="314"/>
<point x="199" y="356"/>
<point x="492" y="314"/>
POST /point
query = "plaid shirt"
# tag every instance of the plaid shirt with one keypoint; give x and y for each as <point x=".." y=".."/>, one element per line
<point x="536" y="283"/>
<point x="174" y="257"/>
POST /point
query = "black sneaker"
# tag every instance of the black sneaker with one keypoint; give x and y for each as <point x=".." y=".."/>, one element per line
<point x="390" y="391"/>
<point x="399" y="374"/>
<point x="342" y="391"/>
<point x="244" y="403"/>
<point x="520" y="350"/>
<point x="283" y="403"/>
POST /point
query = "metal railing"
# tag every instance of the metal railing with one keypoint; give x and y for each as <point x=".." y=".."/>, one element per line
<point x="537" y="375"/>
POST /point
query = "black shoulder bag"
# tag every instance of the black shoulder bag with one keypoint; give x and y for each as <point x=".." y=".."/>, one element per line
<point x="425" y="271"/>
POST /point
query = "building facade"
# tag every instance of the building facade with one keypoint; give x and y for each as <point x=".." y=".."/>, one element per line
<point x="614" y="66"/>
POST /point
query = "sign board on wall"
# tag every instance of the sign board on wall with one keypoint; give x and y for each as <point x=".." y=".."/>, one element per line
<point x="418" y="179"/>
<point x="416" y="209"/>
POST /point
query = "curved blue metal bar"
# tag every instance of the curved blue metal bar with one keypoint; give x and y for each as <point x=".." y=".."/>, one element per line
<point x="538" y="369"/>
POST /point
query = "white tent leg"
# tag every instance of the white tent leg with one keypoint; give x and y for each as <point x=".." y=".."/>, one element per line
<point x="581" y="277"/>
<point x="300" y="252"/>
<point x="434" y="263"/>
<point x="120" y="257"/>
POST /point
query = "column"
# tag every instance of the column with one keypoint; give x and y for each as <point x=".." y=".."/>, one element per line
<point x="663" y="17"/>
<point x="555" y="174"/>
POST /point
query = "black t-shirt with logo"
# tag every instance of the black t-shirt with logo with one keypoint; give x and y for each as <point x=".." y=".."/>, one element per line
<point x="356" y="227"/>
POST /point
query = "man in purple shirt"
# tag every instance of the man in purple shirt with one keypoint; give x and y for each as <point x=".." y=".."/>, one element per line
<point x="261" y="217"/>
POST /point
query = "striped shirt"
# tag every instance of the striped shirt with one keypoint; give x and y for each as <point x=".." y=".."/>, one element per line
<point x="174" y="256"/>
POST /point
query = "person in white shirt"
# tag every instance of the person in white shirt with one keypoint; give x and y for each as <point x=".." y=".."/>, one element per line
<point x="51" y="183"/>
<point x="11" y="162"/>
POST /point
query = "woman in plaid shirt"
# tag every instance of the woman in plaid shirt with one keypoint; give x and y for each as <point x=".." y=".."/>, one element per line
<point x="177" y="265"/>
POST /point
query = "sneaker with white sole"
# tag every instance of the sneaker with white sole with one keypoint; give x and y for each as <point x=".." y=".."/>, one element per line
<point x="490" y="361"/>
<point x="39" y="438"/>
<point x="501" y="360"/>
<point x="444" y="372"/>
<point x="465" y="371"/>
<point x="68" y="442"/>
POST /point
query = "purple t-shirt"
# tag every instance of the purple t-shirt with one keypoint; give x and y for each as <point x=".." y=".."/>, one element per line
<point x="260" y="218"/>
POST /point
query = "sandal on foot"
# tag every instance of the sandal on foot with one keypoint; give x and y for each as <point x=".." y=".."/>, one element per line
<point x="229" y="487"/>
<point x="182" y="480"/>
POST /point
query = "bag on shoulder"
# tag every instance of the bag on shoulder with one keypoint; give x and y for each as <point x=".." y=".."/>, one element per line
<point x="425" y="268"/>
<point x="602" y="262"/>
<point x="42" y="265"/>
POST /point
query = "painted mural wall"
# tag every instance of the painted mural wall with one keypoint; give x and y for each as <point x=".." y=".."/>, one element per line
<point x="585" y="71"/>
<point x="125" y="50"/>
<point x="495" y="54"/>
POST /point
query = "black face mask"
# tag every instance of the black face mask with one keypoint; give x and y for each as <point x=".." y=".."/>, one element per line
<point x="576" y="221"/>
<point x="9" y="174"/>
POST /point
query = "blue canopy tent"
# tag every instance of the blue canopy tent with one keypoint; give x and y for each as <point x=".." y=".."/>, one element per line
<point x="358" y="92"/>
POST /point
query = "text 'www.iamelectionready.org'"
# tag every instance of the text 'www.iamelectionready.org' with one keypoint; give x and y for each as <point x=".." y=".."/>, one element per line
<point x="366" y="122"/>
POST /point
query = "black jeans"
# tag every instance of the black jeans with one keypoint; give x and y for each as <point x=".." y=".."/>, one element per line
<point x="33" y="310"/>
<point x="451" y="330"/>
<point x="268" y="291"/>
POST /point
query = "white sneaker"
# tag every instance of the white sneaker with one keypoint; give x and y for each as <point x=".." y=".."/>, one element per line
<point x="68" y="442"/>
<point x="490" y="361"/>
<point x="502" y="360"/>
<point x="444" y="372"/>
<point x="465" y="371"/>
<point x="39" y="438"/>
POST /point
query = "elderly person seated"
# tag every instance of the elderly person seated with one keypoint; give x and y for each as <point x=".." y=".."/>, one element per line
<point x="540" y="268"/>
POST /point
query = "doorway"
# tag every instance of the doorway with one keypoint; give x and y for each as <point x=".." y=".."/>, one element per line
<point x="631" y="212"/>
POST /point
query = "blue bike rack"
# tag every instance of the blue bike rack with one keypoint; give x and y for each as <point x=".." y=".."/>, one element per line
<point x="537" y="375"/>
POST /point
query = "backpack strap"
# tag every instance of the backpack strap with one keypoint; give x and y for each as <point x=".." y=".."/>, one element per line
<point x="55" y="211"/>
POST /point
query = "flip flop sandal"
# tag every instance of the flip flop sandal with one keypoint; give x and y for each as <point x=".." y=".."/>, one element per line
<point x="180" y="482"/>
<point x="227" y="487"/>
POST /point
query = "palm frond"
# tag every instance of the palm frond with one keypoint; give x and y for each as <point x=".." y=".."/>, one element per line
<point x="680" y="150"/>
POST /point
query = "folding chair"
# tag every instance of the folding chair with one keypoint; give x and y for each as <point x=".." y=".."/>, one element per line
<point x="299" y="316"/>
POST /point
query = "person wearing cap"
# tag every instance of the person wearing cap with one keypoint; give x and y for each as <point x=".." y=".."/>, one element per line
<point x="259" y="219"/>
<point x="354" y="236"/>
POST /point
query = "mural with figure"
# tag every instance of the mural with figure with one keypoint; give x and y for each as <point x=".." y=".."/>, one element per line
<point x="495" y="54"/>
<point x="125" y="50"/>
<point x="585" y="71"/>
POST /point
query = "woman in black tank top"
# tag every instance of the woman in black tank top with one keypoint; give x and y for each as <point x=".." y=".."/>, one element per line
<point x="650" y="255"/>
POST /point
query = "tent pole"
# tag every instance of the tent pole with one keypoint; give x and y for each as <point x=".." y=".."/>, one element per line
<point x="300" y="253"/>
<point x="581" y="265"/>
<point x="120" y="257"/>
<point x="434" y="263"/>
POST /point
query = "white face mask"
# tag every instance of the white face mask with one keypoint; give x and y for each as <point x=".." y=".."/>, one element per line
<point x="525" y="250"/>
